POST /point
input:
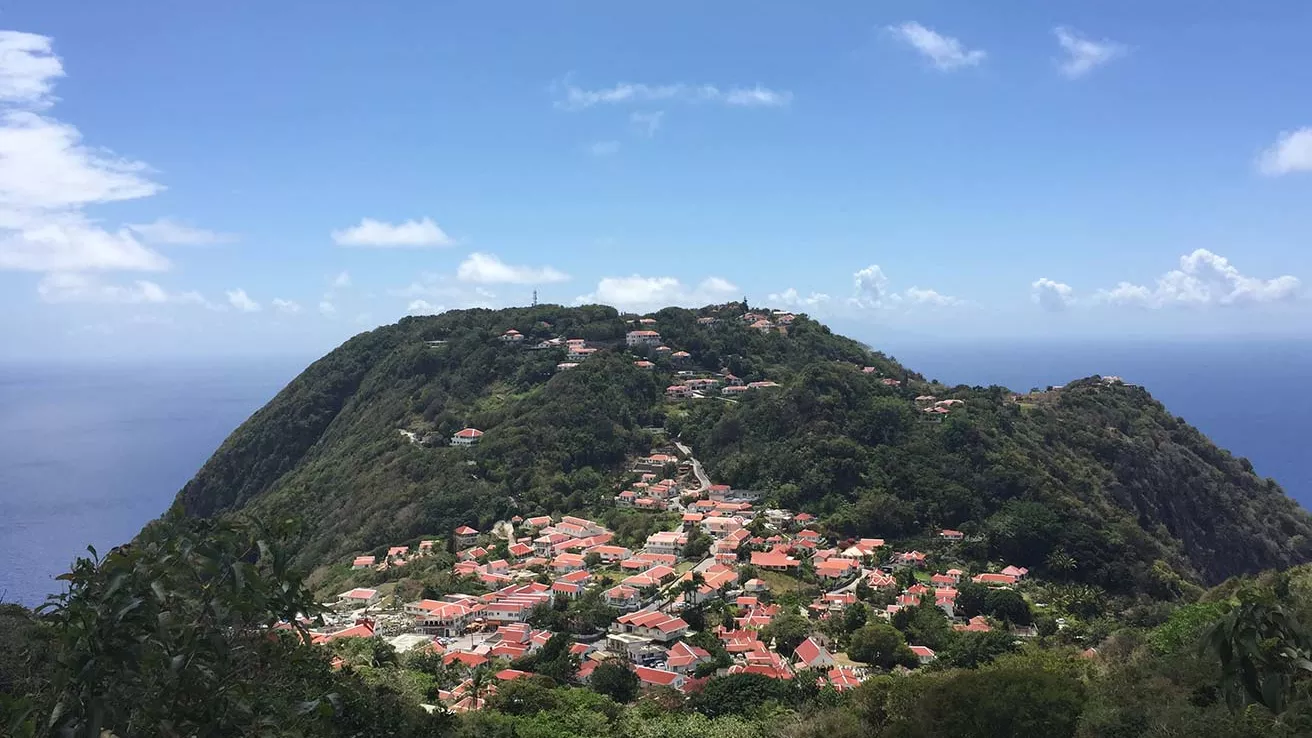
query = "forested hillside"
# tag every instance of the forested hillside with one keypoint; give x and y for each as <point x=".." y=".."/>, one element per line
<point x="1094" y="483"/>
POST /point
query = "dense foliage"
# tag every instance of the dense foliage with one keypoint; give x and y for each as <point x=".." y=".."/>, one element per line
<point x="1094" y="484"/>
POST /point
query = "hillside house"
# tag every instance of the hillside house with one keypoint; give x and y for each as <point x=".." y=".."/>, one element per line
<point x="994" y="580"/>
<point x="465" y="536"/>
<point x="644" y="364"/>
<point x="924" y="654"/>
<point x="642" y="338"/>
<point x="441" y="618"/>
<point x="811" y="655"/>
<point x="678" y="392"/>
<point x="512" y="336"/>
<point x="362" y="562"/>
<point x="668" y="542"/>
<point x="948" y="534"/>
<point x="358" y="597"/>
<point x="651" y="678"/>
<point x="566" y="365"/>
<point x="1018" y="572"/>
<point x="774" y="561"/>
<point x="685" y="658"/>
<point x="466" y="437"/>
<point x="621" y="597"/>
<point x="836" y="568"/>
<point x="579" y="353"/>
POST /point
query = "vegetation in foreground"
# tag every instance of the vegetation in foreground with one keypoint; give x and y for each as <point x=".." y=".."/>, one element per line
<point x="194" y="631"/>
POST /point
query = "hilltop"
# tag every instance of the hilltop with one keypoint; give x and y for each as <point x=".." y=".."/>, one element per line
<point x="1092" y="483"/>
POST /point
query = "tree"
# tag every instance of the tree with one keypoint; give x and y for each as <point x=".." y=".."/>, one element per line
<point x="1265" y="654"/>
<point x="854" y="616"/>
<point x="787" y="631"/>
<point x="923" y="625"/>
<point x="880" y="645"/>
<point x="739" y="694"/>
<point x="973" y="650"/>
<point x="1011" y="700"/>
<point x="970" y="599"/>
<point x="614" y="679"/>
<point x="592" y="560"/>
<point x="1008" y="605"/>
<point x="697" y="546"/>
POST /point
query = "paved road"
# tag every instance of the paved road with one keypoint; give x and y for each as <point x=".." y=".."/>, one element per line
<point x="697" y="469"/>
<point x="852" y="584"/>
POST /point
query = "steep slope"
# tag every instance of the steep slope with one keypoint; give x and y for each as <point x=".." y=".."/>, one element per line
<point x="1094" y="483"/>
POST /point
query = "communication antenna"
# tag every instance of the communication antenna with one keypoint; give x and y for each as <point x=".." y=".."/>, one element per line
<point x="535" y="298"/>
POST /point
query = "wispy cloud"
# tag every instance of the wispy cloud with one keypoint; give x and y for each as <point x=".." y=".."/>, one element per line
<point x="327" y="309"/>
<point x="604" y="148"/>
<point x="241" y="301"/>
<point x="343" y="279"/>
<point x="287" y="307"/>
<point x="1083" y="54"/>
<point x="64" y="287"/>
<point x="170" y="232"/>
<point x="1292" y="152"/>
<point x="647" y="123"/>
<point x="372" y="233"/>
<point x="872" y="291"/>
<point x="48" y="176"/>
<point x="572" y="97"/>
<point x="945" y="52"/>
<point x="480" y="268"/>
<point x="641" y="293"/>
<point x="793" y="299"/>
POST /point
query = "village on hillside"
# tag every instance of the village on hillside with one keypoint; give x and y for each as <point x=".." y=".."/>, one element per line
<point x="720" y="584"/>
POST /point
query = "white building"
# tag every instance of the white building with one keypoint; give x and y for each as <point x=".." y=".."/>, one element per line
<point x="642" y="338"/>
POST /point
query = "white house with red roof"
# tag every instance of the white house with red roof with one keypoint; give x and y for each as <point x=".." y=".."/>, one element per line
<point x="811" y="655"/>
<point x="994" y="580"/>
<point x="678" y="391"/>
<point x="684" y="658"/>
<point x="774" y="561"/>
<point x="466" y="437"/>
<point x="642" y="338"/>
<point x="1018" y="572"/>
<point x="465" y="536"/>
<point x="622" y="597"/>
<point x="362" y="562"/>
<point x="924" y="653"/>
<point x="650" y="678"/>
<point x="948" y="534"/>
<point x="442" y="618"/>
<point x="358" y="597"/>
<point x="512" y="336"/>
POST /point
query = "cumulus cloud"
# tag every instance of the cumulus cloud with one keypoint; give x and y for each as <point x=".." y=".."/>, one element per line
<point x="479" y="268"/>
<point x="604" y="148"/>
<point x="647" y="123"/>
<point x="872" y="292"/>
<point x="240" y="300"/>
<point x="1203" y="279"/>
<point x="287" y="307"/>
<point x="447" y="292"/>
<point x="1083" y="54"/>
<point x="641" y="293"/>
<point x="67" y="287"/>
<point x="48" y="176"/>
<point x="1292" y="152"/>
<point x="423" y="307"/>
<point x="572" y="97"/>
<point x="342" y="280"/>
<point x="1051" y="295"/>
<point x="372" y="233"/>
<point x="170" y="232"/>
<point x="326" y="308"/>
<point x="794" y="299"/>
<point x="944" y="52"/>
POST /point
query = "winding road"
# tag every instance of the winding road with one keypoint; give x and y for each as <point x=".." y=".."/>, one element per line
<point x="697" y="469"/>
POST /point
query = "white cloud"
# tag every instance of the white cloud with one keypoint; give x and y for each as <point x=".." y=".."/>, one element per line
<point x="342" y="280"/>
<point x="327" y="308"/>
<point x="1051" y="295"/>
<point x="481" y="268"/>
<point x="447" y="292"/>
<point x="945" y="52"/>
<point x="377" y="234"/>
<point x="1203" y="279"/>
<point x="423" y="307"/>
<point x="640" y="293"/>
<point x="918" y="296"/>
<point x="173" y="233"/>
<point x="288" y="307"/>
<point x="1292" y="152"/>
<point x="604" y="148"/>
<point x="1082" y="54"/>
<point x="792" y="298"/>
<point x="647" y="123"/>
<point x="871" y="287"/>
<point x="240" y="300"/>
<point x="576" y="98"/>
<point x="47" y="176"/>
<point x="28" y="68"/>
<point x="67" y="287"/>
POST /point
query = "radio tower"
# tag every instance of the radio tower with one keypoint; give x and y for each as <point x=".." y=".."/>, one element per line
<point x="535" y="298"/>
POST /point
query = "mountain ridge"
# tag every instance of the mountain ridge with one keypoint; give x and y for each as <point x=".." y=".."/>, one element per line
<point x="1097" y="473"/>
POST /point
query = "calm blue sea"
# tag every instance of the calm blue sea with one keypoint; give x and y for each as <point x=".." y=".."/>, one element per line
<point x="88" y="454"/>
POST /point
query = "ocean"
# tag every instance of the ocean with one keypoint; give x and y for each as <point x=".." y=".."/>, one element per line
<point x="90" y="453"/>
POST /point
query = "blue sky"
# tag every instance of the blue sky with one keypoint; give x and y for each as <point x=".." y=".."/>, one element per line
<point x="181" y="178"/>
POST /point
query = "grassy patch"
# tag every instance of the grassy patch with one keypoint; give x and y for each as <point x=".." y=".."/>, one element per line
<point x="780" y="582"/>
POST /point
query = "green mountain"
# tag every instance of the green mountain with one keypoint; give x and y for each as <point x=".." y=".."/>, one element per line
<point x="1092" y="483"/>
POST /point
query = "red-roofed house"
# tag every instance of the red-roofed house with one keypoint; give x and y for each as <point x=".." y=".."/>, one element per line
<point x="997" y="580"/>
<point x="684" y="658"/>
<point x="466" y="437"/>
<point x="836" y="568"/>
<point x="1018" y="572"/>
<point x="642" y="338"/>
<point x="951" y="535"/>
<point x="520" y="550"/>
<point x="880" y="580"/>
<point x="977" y="624"/>
<point x="812" y="655"/>
<point x="843" y="679"/>
<point x="910" y="558"/>
<point x="658" y="677"/>
<point x="567" y="562"/>
<point x="774" y="561"/>
<point x="924" y="653"/>
<point x="678" y="391"/>
<point x="464" y="658"/>
<point x="465" y="536"/>
<point x="358" y="597"/>
<point x="942" y="580"/>
<point x="362" y="562"/>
